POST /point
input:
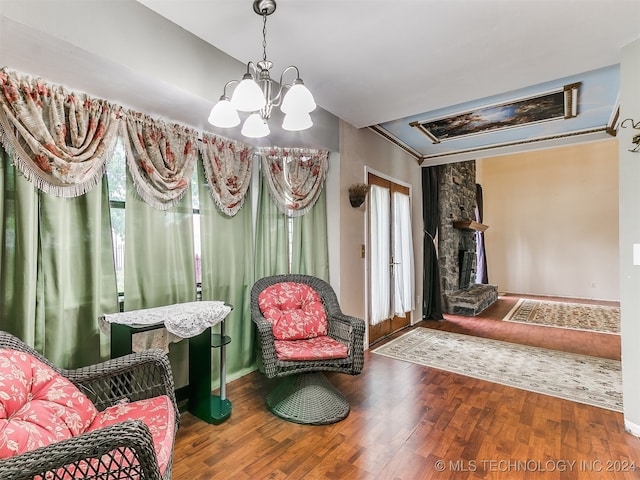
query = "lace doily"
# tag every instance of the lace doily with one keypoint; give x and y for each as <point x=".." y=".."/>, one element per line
<point x="181" y="320"/>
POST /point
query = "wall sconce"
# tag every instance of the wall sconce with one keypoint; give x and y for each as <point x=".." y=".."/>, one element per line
<point x="636" y="138"/>
<point x="358" y="194"/>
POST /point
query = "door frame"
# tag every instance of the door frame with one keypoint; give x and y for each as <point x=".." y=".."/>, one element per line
<point x="367" y="279"/>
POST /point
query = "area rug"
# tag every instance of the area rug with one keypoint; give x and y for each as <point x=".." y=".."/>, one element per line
<point x="579" y="378"/>
<point x="577" y="316"/>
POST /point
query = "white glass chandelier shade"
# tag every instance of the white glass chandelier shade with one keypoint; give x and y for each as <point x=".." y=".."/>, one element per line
<point x="298" y="99"/>
<point x="223" y="114"/>
<point x="294" y="122"/>
<point x="255" y="126"/>
<point x="248" y="96"/>
<point x="257" y="94"/>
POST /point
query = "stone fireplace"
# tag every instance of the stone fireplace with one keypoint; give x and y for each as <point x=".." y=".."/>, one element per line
<point x="457" y="242"/>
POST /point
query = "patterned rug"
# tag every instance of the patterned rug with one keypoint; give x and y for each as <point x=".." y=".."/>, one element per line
<point x="579" y="378"/>
<point x="577" y="316"/>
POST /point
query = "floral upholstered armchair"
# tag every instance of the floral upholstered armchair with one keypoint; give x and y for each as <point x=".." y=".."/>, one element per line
<point x="113" y="420"/>
<point x="302" y="332"/>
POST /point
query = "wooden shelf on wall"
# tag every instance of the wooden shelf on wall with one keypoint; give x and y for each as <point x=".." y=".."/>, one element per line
<point x="469" y="225"/>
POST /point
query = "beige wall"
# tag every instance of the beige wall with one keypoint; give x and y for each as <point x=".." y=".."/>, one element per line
<point x="553" y="221"/>
<point x="630" y="236"/>
<point x="360" y="149"/>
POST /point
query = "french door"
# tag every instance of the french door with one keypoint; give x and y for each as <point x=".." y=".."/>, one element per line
<point x="391" y="267"/>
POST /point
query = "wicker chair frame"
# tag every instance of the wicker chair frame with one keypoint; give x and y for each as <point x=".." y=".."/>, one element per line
<point x="306" y="396"/>
<point x="133" y="377"/>
<point x="343" y="328"/>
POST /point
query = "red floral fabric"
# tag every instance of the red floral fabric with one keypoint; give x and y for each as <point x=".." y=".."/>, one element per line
<point x="295" y="311"/>
<point x="227" y="164"/>
<point x="37" y="405"/>
<point x="157" y="413"/>
<point x="295" y="177"/>
<point x="310" y="349"/>
<point x="60" y="139"/>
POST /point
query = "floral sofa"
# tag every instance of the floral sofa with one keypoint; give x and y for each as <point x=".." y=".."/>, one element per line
<point x="114" y="420"/>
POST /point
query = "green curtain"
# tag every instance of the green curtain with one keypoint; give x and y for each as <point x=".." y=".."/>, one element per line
<point x="159" y="254"/>
<point x="271" y="236"/>
<point x="159" y="263"/>
<point x="57" y="273"/>
<point x="310" y="251"/>
<point x="19" y="254"/>
<point x="227" y="275"/>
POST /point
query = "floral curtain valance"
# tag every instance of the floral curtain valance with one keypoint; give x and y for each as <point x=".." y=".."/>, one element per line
<point x="227" y="165"/>
<point x="161" y="159"/>
<point x="295" y="177"/>
<point x="60" y="139"/>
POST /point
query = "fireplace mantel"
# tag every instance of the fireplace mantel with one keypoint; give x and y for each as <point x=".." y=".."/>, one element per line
<point x="469" y="225"/>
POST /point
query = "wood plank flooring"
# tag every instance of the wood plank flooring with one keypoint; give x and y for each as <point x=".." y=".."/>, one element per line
<point x="411" y="422"/>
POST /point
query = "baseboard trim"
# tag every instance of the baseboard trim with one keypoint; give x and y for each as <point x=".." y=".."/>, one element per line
<point x="632" y="428"/>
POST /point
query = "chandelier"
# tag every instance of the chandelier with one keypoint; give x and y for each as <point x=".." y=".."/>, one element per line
<point x="258" y="93"/>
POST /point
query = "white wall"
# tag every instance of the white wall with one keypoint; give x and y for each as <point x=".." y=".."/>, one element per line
<point x="553" y="221"/>
<point x="630" y="235"/>
<point x="360" y="148"/>
<point x="126" y="53"/>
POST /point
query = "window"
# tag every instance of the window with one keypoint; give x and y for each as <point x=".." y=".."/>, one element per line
<point x="117" y="180"/>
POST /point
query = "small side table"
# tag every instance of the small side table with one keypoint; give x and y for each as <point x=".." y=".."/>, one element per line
<point x="210" y="408"/>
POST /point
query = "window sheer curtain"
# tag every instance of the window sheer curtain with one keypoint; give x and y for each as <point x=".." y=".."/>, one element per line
<point x="380" y="256"/>
<point x="57" y="272"/>
<point x="404" y="287"/>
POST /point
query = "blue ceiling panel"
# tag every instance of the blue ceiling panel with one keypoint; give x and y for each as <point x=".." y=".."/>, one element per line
<point x="597" y="103"/>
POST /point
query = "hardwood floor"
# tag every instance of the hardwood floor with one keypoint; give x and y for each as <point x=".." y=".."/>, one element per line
<point x="411" y="422"/>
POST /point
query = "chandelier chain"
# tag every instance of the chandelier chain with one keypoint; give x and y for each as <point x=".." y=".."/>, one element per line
<point x="257" y="93"/>
<point x="264" y="35"/>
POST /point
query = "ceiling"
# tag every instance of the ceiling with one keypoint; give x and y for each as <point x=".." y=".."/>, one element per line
<point x="383" y="64"/>
<point x="377" y="64"/>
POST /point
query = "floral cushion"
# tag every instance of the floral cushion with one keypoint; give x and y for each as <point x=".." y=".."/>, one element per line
<point x="157" y="413"/>
<point x="295" y="311"/>
<point x="38" y="406"/>
<point x="317" y="348"/>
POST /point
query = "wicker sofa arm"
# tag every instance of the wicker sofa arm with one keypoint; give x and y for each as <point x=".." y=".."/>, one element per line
<point x="133" y="377"/>
<point x="92" y="452"/>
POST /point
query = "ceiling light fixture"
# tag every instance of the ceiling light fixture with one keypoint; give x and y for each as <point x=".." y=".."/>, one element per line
<point x="258" y="93"/>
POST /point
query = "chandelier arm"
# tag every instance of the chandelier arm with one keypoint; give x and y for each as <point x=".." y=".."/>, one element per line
<point x="224" y="90"/>
<point x="252" y="69"/>
<point x="290" y="67"/>
<point x="277" y="99"/>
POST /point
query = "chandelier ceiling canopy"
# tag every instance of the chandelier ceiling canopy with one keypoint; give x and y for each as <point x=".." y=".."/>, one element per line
<point x="257" y="93"/>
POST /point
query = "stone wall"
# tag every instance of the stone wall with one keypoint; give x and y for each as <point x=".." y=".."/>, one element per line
<point x="457" y="190"/>
<point x="457" y="202"/>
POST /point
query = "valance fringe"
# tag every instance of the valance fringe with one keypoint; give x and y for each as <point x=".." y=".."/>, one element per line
<point x="228" y="168"/>
<point x="23" y="162"/>
<point x="296" y="191"/>
<point x="73" y="135"/>
<point x="60" y="140"/>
